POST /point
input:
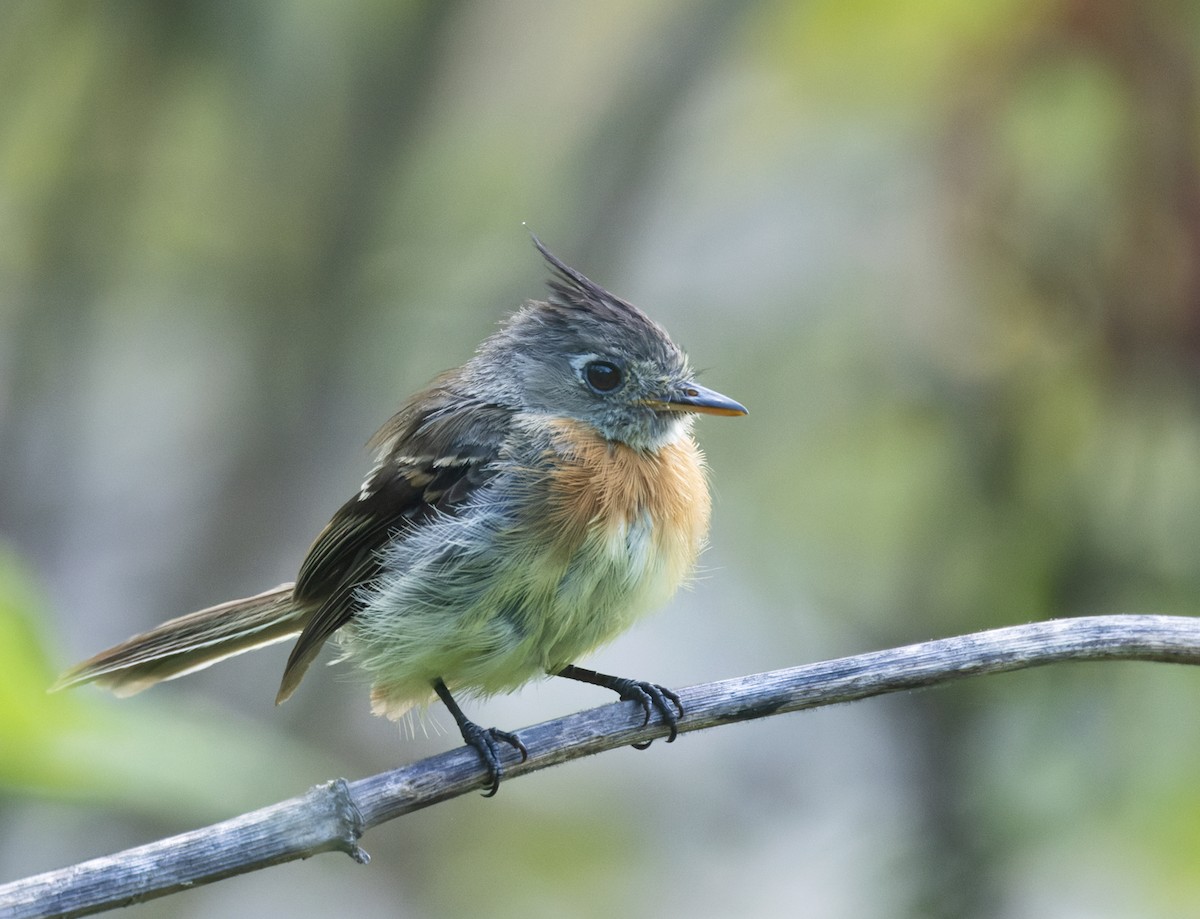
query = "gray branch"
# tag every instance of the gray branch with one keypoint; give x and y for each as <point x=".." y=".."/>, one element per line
<point x="332" y="817"/>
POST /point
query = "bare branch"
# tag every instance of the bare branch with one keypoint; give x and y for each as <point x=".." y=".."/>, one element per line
<point x="332" y="817"/>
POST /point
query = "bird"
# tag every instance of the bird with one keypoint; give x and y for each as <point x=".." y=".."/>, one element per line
<point x="523" y="509"/>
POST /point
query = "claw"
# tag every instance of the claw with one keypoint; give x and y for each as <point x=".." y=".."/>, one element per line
<point x="648" y="695"/>
<point x="486" y="741"/>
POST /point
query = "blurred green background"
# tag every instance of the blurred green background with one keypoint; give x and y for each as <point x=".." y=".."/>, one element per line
<point x="947" y="252"/>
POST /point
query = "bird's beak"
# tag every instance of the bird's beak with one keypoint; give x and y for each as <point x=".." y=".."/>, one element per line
<point x="692" y="397"/>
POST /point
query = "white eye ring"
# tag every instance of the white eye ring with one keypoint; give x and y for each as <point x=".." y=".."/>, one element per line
<point x="592" y="368"/>
<point x="603" y="376"/>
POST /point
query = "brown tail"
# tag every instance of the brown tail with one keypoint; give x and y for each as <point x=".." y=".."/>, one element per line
<point x="191" y="643"/>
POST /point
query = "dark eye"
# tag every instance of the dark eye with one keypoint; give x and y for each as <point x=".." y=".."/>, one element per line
<point x="602" y="376"/>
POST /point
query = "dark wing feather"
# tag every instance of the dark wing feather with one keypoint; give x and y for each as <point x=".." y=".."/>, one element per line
<point x="435" y="462"/>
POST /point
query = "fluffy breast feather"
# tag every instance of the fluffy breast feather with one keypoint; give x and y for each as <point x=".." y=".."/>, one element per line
<point x="591" y="535"/>
<point x="634" y="522"/>
<point x="596" y="484"/>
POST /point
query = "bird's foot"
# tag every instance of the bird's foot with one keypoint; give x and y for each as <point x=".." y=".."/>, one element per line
<point x="650" y="696"/>
<point x="486" y="742"/>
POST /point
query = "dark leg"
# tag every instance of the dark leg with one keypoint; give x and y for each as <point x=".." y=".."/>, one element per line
<point x="647" y="695"/>
<point x="482" y="739"/>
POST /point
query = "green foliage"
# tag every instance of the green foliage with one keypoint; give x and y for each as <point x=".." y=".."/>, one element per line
<point x="944" y="250"/>
<point x="150" y="758"/>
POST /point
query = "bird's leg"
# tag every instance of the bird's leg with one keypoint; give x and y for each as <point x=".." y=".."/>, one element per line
<point x="484" y="740"/>
<point x="647" y="695"/>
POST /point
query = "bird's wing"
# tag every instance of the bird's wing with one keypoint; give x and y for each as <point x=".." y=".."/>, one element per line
<point x="431" y="464"/>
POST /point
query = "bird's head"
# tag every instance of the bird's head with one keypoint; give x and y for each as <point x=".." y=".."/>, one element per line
<point x="590" y="356"/>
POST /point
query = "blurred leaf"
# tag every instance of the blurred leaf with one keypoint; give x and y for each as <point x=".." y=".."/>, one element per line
<point x="843" y="55"/>
<point x="137" y="755"/>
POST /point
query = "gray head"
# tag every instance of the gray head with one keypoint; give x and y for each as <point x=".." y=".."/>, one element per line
<point x="588" y="355"/>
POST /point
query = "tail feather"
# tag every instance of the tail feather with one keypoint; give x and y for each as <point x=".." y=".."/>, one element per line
<point x="191" y="643"/>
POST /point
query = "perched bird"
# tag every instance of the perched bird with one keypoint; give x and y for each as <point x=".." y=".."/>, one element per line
<point x="524" y="509"/>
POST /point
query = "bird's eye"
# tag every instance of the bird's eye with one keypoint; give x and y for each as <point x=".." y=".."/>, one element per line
<point x="602" y="376"/>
